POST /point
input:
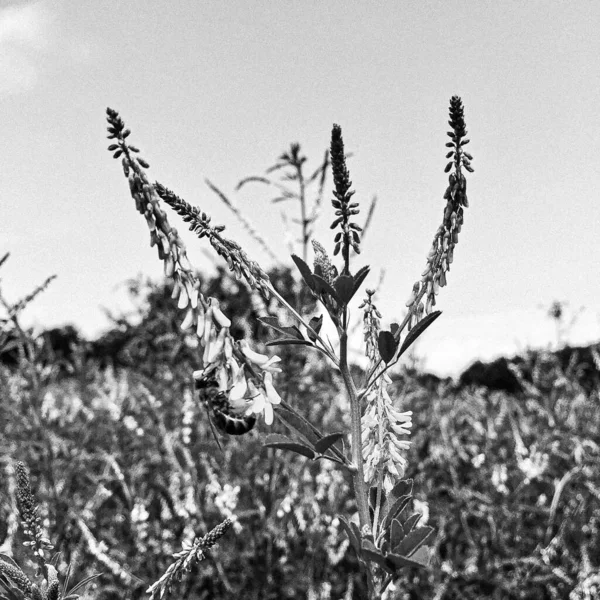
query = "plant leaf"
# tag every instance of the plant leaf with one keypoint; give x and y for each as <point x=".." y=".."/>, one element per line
<point x="396" y="508"/>
<point x="411" y="522"/>
<point x="378" y="558"/>
<point x="359" y="277"/>
<point x="387" y="344"/>
<point x="413" y="541"/>
<point x="351" y="535"/>
<point x="417" y="330"/>
<point x="304" y="271"/>
<point x="344" y="287"/>
<point x="281" y="442"/>
<point x="274" y="324"/>
<point x="289" y="342"/>
<point x="326" y="442"/>
<point x="315" y="324"/>
<point x="396" y="533"/>
<point x="419" y="559"/>
<point x="321" y="286"/>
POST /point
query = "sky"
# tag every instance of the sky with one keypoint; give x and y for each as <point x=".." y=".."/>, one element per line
<point x="219" y="90"/>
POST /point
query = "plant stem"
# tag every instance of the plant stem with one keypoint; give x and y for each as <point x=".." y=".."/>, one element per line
<point x="360" y="488"/>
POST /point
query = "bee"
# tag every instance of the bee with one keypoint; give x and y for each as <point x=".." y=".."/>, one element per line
<point x="219" y="410"/>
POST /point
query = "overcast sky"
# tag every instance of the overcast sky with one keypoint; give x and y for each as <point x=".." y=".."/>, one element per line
<point x="220" y="89"/>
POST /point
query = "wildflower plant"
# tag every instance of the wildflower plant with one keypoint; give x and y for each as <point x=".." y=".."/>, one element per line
<point x="237" y="383"/>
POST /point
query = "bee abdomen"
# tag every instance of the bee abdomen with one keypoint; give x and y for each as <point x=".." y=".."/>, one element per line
<point x="233" y="424"/>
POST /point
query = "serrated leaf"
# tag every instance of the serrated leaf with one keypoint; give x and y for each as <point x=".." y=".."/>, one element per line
<point x="304" y="271"/>
<point x="289" y="342"/>
<point x="417" y="330"/>
<point x="281" y="442"/>
<point x="359" y="277"/>
<point x="387" y="345"/>
<point x="326" y="442"/>
<point x="344" y="287"/>
<point x="413" y="541"/>
<point x="315" y="325"/>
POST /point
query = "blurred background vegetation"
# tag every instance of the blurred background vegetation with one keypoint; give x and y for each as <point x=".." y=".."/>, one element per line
<point x="506" y="463"/>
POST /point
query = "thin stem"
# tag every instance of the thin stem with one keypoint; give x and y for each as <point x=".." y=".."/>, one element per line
<point x="303" y="212"/>
<point x="360" y="488"/>
<point x="325" y="350"/>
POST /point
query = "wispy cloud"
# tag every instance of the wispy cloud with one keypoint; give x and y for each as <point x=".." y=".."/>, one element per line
<point x="24" y="35"/>
<point x="30" y="33"/>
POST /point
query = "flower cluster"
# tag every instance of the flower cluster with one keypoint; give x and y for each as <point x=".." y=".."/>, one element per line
<point x="191" y="553"/>
<point x="382" y="424"/>
<point x="244" y="375"/>
<point x="30" y="518"/>
<point x="344" y="209"/>
<point x="441" y="254"/>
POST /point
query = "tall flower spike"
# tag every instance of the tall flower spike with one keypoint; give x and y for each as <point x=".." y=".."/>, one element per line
<point x="349" y="235"/>
<point x="186" y="558"/>
<point x="384" y="427"/>
<point x="222" y="355"/>
<point x="441" y="255"/>
<point x="30" y="518"/>
<point x="236" y="258"/>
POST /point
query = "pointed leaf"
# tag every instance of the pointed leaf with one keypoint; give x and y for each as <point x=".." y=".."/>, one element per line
<point x="344" y="286"/>
<point x="302" y="430"/>
<point x="377" y="558"/>
<point x="304" y="271"/>
<point x="396" y="533"/>
<point x="418" y="560"/>
<point x="289" y="342"/>
<point x="321" y="286"/>
<point x="387" y="345"/>
<point x="281" y="442"/>
<point x="402" y="488"/>
<point x="417" y="330"/>
<point x="413" y="541"/>
<point x="359" y="277"/>
<point x="355" y="541"/>
<point x="411" y="522"/>
<point x="395" y="510"/>
<point x="274" y="324"/>
<point x="83" y="583"/>
<point x="315" y="324"/>
<point x="326" y="442"/>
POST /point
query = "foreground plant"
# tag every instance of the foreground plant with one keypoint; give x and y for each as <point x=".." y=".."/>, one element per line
<point x="14" y="583"/>
<point x="236" y="382"/>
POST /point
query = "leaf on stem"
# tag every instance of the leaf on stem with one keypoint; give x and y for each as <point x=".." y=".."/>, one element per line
<point x="387" y="345"/>
<point x="281" y="442"/>
<point x="304" y="271"/>
<point x="417" y="330"/>
<point x="326" y="442"/>
<point x="314" y="327"/>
